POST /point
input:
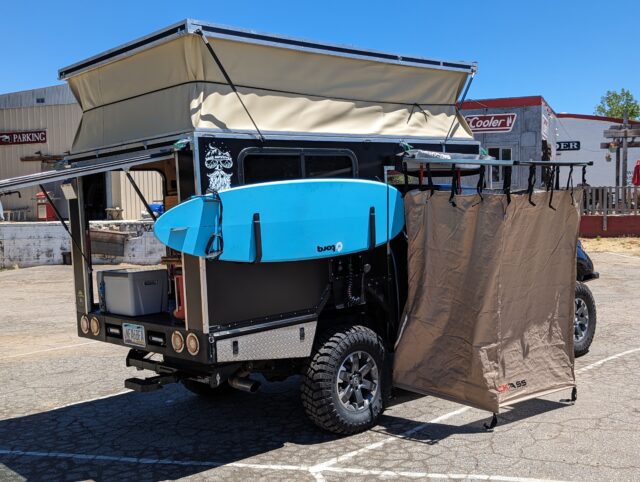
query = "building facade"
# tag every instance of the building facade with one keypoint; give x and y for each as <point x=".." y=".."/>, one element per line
<point x="514" y="128"/>
<point x="579" y="138"/>
<point x="527" y="128"/>
<point x="37" y="128"/>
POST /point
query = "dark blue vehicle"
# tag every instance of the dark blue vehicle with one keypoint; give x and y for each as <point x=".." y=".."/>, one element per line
<point x="584" y="322"/>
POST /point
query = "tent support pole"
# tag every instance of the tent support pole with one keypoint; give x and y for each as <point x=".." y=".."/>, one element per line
<point x="457" y="110"/>
<point x="64" y="225"/>
<point x="140" y="195"/>
<point x="228" y="79"/>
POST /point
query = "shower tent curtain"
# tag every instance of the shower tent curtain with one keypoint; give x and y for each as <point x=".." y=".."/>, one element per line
<point x="489" y="315"/>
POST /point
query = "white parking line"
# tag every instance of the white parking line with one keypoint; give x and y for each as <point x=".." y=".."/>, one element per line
<point x="150" y="460"/>
<point x="48" y="349"/>
<point x="315" y="470"/>
<point x="637" y="258"/>
<point x="434" y="475"/>
<point x="318" y="468"/>
<point x="605" y="360"/>
<point x="277" y="467"/>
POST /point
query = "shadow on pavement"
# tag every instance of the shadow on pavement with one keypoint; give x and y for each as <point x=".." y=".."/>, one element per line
<point x="172" y="433"/>
<point x="170" y="424"/>
<point x="433" y="433"/>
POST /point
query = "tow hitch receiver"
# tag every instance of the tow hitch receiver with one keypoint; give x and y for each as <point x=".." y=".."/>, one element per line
<point x="165" y="375"/>
<point x="149" y="384"/>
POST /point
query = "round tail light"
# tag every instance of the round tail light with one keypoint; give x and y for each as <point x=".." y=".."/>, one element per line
<point x="84" y="324"/>
<point x="177" y="341"/>
<point x="193" y="345"/>
<point x="95" y="326"/>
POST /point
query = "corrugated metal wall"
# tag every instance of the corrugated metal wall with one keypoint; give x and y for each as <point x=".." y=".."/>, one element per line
<point x="149" y="182"/>
<point x="55" y="94"/>
<point x="60" y="122"/>
<point x="55" y="109"/>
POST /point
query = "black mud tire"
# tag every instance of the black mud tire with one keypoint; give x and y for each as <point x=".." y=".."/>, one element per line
<point x="319" y="390"/>
<point x="584" y="298"/>
<point x="205" y="391"/>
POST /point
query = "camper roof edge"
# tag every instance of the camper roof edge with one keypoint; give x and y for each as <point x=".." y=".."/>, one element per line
<point x="190" y="26"/>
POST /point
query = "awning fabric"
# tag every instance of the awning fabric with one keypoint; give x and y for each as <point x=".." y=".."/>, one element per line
<point x="489" y="315"/>
<point x="177" y="87"/>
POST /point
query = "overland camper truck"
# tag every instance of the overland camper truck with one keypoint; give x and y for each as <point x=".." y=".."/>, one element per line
<point x="211" y="108"/>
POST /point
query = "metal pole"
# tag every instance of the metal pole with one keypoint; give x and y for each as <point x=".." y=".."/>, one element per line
<point x="625" y="155"/>
<point x="141" y="196"/>
<point x="625" y="152"/>
<point x="64" y="225"/>
<point x="617" y="166"/>
<point x="616" y="200"/>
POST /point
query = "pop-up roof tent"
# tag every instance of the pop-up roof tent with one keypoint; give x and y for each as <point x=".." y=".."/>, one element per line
<point x="140" y="97"/>
<point x="169" y="82"/>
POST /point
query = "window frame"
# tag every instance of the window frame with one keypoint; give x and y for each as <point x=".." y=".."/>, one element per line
<point x="295" y="151"/>
<point x="489" y="169"/>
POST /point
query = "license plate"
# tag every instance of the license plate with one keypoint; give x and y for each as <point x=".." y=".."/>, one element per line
<point x="133" y="335"/>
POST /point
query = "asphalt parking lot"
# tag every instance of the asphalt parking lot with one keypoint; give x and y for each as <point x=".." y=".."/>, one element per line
<point x="64" y="414"/>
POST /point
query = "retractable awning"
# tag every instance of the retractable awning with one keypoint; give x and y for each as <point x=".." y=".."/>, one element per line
<point x="84" y="168"/>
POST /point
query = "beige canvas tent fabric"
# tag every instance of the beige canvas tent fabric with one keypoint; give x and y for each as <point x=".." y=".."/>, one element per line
<point x="489" y="315"/>
<point x="176" y="86"/>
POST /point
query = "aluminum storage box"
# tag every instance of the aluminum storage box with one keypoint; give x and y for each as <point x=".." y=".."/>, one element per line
<point x="134" y="292"/>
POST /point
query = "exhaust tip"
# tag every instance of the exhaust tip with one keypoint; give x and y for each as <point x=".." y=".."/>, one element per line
<point x="245" y="384"/>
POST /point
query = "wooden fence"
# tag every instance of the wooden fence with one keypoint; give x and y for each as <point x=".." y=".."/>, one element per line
<point x="602" y="202"/>
<point x="610" y="200"/>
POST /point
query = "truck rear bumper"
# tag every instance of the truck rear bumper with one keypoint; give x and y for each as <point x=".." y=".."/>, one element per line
<point x="282" y="338"/>
<point x="154" y="332"/>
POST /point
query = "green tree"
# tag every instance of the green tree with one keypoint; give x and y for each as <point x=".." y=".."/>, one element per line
<point x="612" y="104"/>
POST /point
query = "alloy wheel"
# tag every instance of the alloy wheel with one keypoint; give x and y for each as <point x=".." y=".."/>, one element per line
<point x="580" y="320"/>
<point x="357" y="381"/>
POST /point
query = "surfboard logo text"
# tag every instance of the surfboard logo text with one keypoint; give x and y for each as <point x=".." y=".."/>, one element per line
<point x="218" y="160"/>
<point x="336" y="248"/>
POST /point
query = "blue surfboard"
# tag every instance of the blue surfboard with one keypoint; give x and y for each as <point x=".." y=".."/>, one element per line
<point x="285" y="220"/>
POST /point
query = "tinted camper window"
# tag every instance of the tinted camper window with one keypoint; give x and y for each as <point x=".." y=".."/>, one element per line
<point x="279" y="164"/>
<point x="265" y="168"/>
<point x="328" y="166"/>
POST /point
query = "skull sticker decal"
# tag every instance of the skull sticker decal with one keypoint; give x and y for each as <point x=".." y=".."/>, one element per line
<point x="217" y="160"/>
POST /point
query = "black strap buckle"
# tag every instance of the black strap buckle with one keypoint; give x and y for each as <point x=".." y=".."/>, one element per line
<point x="481" y="184"/>
<point x="506" y="183"/>
<point x="454" y="181"/>
<point x="531" y="183"/>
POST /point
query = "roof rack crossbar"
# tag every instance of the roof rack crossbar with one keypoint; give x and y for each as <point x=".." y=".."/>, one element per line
<point x="553" y="163"/>
<point x="497" y="162"/>
<point x="466" y="162"/>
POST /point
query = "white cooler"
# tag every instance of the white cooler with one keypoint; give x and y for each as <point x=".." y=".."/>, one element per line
<point x="134" y="292"/>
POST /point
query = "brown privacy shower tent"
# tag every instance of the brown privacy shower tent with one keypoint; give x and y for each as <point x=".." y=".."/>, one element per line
<point x="488" y="318"/>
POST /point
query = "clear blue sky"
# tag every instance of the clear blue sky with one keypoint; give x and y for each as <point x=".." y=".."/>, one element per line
<point x="560" y="49"/>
